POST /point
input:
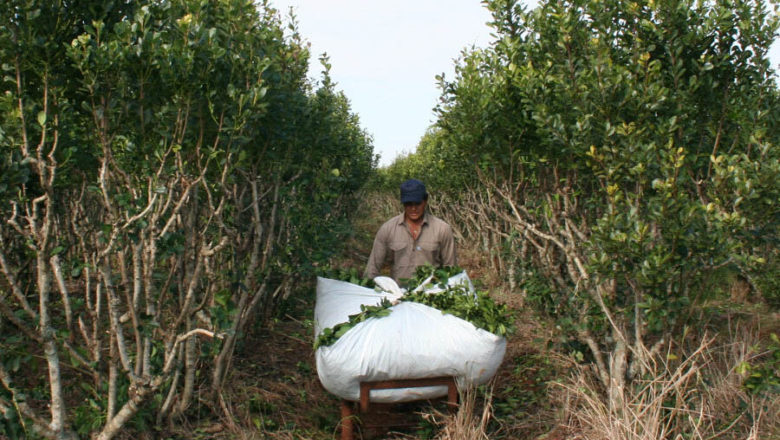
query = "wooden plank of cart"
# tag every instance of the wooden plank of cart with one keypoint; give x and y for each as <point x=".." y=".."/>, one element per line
<point x="347" y="411"/>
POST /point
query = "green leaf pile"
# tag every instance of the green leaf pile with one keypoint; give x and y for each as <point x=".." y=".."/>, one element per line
<point x="477" y="308"/>
<point x="350" y="275"/>
<point x="332" y="334"/>
<point x="440" y="276"/>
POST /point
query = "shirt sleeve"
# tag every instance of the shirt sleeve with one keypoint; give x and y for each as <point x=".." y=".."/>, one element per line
<point x="448" y="254"/>
<point x="378" y="254"/>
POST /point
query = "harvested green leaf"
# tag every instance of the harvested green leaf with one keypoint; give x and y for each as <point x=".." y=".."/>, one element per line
<point x="350" y="275"/>
<point x="422" y="273"/>
<point x="477" y="308"/>
<point x="331" y="335"/>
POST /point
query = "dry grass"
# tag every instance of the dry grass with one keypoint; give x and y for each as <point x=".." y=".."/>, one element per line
<point x="694" y="395"/>
<point x="469" y="422"/>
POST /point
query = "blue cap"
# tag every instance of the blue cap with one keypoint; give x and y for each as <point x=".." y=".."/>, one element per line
<point x="413" y="191"/>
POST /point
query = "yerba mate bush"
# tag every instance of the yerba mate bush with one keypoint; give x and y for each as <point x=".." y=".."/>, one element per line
<point x="167" y="174"/>
<point x="616" y="156"/>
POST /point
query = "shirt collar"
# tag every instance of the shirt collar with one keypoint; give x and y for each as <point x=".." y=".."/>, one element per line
<point x="401" y="218"/>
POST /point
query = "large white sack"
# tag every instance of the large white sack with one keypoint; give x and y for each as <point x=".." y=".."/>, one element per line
<point x="415" y="341"/>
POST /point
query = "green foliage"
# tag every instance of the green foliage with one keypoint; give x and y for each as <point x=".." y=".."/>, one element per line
<point x="441" y="167"/>
<point x="477" y="308"/>
<point x="331" y="335"/>
<point x="633" y="145"/>
<point x="90" y="416"/>
<point x="350" y="275"/>
<point x="527" y="392"/>
<point x="156" y="121"/>
<point x="11" y="425"/>
<point x="763" y="376"/>
<point x="438" y="276"/>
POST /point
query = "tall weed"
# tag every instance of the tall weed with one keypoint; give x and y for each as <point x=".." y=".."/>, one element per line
<point x="696" y="394"/>
<point x="469" y="422"/>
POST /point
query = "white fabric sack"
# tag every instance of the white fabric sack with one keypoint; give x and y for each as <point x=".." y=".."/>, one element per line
<point x="415" y="341"/>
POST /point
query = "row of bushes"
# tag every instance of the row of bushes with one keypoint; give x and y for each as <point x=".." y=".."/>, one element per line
<point x="168" y="174"/>
<point x="618" y="160"/>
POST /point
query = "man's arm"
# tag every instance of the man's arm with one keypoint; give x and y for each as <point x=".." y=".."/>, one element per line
<point x="448" y="254"/>
<point x="377" y="258"/>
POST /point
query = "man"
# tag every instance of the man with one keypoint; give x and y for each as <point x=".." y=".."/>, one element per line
<point x="411" y="239"/>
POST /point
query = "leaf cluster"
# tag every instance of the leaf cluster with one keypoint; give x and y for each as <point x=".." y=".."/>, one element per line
<point x="332" y="334"/>
<point x="763" y="376"/>
<point x="637" y="138"/>
<point x="477" y="308"/>
<point x="350" y="275"/>
<point x="438" y="275"/>
<point x="186" y="128"/>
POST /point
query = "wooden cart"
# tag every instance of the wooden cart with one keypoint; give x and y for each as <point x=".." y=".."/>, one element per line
<point x="347" y="408"/>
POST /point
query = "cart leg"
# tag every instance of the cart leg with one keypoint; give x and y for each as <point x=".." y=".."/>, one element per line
<point x="452" y="395"/>
<point x="346" y="420"/>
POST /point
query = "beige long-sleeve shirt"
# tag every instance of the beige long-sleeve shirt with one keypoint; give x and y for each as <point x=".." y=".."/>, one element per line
<point x="435" y="245"/>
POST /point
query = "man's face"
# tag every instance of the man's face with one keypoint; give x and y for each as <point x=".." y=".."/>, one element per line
<point x="414" y="211"/>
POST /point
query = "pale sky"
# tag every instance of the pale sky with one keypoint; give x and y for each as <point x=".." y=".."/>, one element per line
<point x="385" y="56"/>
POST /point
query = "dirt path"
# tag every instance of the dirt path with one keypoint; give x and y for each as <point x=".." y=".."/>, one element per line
<point x="276" y="391"/>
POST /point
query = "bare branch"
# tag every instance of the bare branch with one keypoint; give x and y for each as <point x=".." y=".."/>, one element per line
<point x="116" y="325"/>
<point x="39" y="425"/>
<point x="129" y="222"/>
<point x="11" y="278"/>
<point x="60" y="279"/>
<point x="181" y="338"/>
<point x="21" y="325"/>
<point x="179" y="204"/>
